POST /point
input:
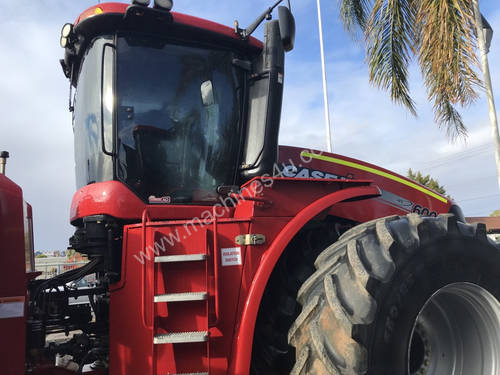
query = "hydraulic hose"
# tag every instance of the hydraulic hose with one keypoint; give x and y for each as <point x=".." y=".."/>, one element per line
<point x="66" y="277"/>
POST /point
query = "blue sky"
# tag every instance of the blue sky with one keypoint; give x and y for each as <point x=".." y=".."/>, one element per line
<point x="35" y="125"/>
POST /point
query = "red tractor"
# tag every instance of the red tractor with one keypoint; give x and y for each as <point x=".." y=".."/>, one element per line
<point x="215" y="250"/>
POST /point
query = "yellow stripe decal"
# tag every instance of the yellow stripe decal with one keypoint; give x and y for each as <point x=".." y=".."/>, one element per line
<point x="374" y="171"/>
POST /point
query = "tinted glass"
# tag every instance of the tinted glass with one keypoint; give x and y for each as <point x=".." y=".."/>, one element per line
<point x="92" y="165"/>
<point x="178" y="112"/>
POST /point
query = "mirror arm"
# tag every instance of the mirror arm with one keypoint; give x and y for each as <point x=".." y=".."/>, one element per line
<point x="243" y="64"/>
<point x="245" y="33"/>
<point x="71" y="105"/>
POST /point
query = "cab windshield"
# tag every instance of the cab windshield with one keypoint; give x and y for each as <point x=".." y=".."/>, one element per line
<point x="177" y="119"/>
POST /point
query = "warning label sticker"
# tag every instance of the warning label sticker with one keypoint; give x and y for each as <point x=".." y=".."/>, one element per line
<point x="231" y="256"/>
<point x="11" y="307"/>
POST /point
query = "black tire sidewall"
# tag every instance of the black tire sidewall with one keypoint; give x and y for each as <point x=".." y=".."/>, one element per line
<point x="419" y="275"/>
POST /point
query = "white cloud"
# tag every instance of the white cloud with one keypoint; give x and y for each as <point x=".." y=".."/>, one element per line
<point x="36" y="129"/>
<point x="367" y="126"/>
<point x="35" y="125"/>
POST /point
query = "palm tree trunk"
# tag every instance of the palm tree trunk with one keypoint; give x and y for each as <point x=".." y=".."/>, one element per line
<point x="487" y="82"/>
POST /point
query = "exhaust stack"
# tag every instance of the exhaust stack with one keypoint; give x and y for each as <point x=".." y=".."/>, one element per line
<point x="4" y="155"/>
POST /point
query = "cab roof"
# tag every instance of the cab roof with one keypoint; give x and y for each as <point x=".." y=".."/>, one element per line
<point x="108" y="18"/>
<point x="178" y="18"/>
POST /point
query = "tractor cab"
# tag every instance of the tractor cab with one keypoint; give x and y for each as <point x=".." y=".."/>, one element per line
<point x="169" y="113"/>
<point x="172" y="106"/>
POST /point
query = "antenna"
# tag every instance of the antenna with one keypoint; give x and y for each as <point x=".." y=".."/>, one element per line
<point x="325" y="87"/>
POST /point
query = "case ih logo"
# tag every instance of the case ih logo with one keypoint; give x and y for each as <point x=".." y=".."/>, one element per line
<point x="160" y="200"/>
<point x="293" y="171"/>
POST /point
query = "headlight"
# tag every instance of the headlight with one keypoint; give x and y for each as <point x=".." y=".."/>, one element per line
<point x="63" y="42"/>
<point x="66" y="30"/>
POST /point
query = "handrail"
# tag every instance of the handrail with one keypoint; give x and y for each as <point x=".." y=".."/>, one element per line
<point x="144" y="299"/>
<point x="217" y="275"/>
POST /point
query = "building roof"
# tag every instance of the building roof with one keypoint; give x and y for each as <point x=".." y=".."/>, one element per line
<point x="492" y="222"/>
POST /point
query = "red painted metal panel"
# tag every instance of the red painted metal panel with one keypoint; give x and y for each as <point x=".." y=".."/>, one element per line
<point x="134" y="318"/>
<point x="234" y="288"/>
<point x="129" y="339"/>
<point x="282" y="196"/>
<point x="399" y="196"/>
<point x="114" y="199"/>
<point x="12" y="278"/>
<point x="110" y="198"/>
<point x="179" y="18"/>
<point x="256" y="279"/>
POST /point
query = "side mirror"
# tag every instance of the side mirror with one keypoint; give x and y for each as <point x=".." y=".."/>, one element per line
<point x="287" y="27"/>
<point x="265" y="95"/>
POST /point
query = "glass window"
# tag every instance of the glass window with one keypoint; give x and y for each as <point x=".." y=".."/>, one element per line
<point x="178" y="112"/>
<point x="92" y="165"/>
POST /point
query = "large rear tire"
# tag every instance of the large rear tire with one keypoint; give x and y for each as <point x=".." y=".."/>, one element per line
<point x="402" y="295"/>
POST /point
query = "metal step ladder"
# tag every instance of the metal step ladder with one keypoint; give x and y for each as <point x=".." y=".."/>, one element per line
<point x="181" y="297"/>
<point x="181" y="340"/>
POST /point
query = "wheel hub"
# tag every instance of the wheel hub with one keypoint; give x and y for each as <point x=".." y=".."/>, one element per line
<point x="457" y="332"/>
<point x="420" y="351"/>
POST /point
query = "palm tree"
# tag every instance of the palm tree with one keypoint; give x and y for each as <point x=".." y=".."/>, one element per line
<point x="440" y="34"/>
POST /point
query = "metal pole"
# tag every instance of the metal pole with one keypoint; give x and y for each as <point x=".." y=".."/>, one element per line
<point x="325" y="87"/>
<point x="487" y="83"/>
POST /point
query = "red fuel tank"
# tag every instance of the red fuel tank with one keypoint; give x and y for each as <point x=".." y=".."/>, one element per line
<point x="12" y="278"/>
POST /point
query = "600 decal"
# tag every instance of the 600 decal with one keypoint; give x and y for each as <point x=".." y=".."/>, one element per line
<point x="424" y="211"/>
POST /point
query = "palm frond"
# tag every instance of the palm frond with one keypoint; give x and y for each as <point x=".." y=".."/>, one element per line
<point x="446" y="49"/>
<point x="446" y="115"/>
<point x="354" y="14"/>
<point x="390" y="38"/>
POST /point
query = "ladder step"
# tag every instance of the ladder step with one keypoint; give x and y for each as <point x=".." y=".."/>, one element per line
<point x="181" y="297"/>
<point x="181" y="337"/>
<point x="180" y="258"/>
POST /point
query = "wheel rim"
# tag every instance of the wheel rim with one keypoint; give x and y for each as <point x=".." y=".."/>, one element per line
<point x="457" y="332"/>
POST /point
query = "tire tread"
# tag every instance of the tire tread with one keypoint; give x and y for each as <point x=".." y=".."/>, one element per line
<point x="325" y="328"/>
